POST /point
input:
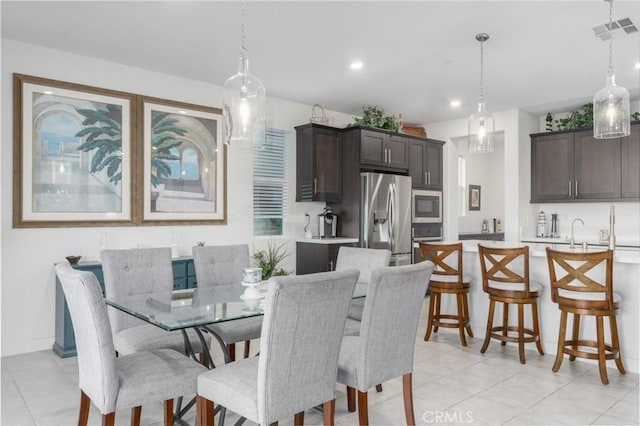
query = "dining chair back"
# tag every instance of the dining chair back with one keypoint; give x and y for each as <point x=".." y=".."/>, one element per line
<point x="304" y="319"/>
<point x="384" y="349"/>
<point x="220" y="265"/>
<point x="117" y="383"/>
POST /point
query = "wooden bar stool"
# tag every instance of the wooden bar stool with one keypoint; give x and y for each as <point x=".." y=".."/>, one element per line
<point x="502" y="282"/>
<point x="578" y="293"/>
<point x="447" y="278"/>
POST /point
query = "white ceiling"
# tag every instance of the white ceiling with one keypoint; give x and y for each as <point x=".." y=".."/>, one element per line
<point x="542" y="55"/>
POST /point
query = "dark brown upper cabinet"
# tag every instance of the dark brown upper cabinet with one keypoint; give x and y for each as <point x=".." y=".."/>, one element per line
<point x="574" y="166"/>
<point x="425" y="163"/>
<point x="384" y="150"/>
<point x="318" y="163"/>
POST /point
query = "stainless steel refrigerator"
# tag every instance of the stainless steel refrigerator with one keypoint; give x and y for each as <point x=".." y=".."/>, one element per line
<point x="385" y="214"/>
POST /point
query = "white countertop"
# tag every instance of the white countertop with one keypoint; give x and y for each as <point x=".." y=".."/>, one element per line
<point x="620" y="254"/>
<point x="337" y="240"/>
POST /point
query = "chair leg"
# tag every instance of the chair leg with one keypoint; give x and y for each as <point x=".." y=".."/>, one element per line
<point x="351" y="399"/>
<point x="363" y="408"/>
<point x="523" y="360"/>
<point x="505" y="321"/>
<point x="430" y="320"/>
<point x="487" y="336"/>
<point x="407" y="395"/>
<point x="168" y="412"/>
<point x="437" y="312"/>
<point x="231" y="347"/>
<point x="298" y="419"/>
<point x="247" y="347"/>
<point x="135" y="415"/>
<point x="329" y="412"/>
<point x="615" y="342"/>
<point x="601" y="351"/>
<point x="536" y="327"/>
<point x="463" y="340"/>
<point x="575" y="334"/>
<point x="378" y="387"/>
<point x="561" y="336"/>
<point x="85" y="404"/>
<point x="467" y="318"/>
<point x="109" y="419"/>
<point x="204" y="412"/>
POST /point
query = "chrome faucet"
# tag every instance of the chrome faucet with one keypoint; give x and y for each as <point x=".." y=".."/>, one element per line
<point x="572" y="241"/>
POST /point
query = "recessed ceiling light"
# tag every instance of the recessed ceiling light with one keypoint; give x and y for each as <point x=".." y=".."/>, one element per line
<point x="455" y="103"/>
<point x="356" y="65"/>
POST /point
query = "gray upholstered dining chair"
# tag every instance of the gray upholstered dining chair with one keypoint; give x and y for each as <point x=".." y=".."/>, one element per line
<point x="127" y="381"/>
<point x="365" y="260"/>
<point x="303" y="323"/>
<point x="222" y="265"/>
<point x="135" y="271"/>
<point x="384" y="348"/>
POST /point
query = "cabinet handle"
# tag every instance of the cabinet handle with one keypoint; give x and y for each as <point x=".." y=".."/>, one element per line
<point x="576" y="188"/>
<point x="426" y="179"/>
<point x="389" y="150"/>
<point x="315" y="186"/>
<point x="429" y="174"/>
<point x="386" y="155"/>
<point x="331" y="265"/>
<point x="569" y="188"/>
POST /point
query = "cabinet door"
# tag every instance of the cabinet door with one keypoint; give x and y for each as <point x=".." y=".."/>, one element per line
<point x="630" y="168"/>
<point x="417" y="163"/>
<point x="398" y="152"/>
<point x="552" y="167"/>
<point x="597" y="167"/>
<point x="327" y="165"/>
<point x="433" y="162"/>
<point x="372" y="147"/>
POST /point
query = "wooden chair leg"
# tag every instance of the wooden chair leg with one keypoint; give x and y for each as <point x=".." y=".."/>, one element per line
<point x="430" y="320"/>
<point x="467" y="318"/>
<point x="247" y="347"/>
<point x="437" y="311"/>
<point x="298" y="419"/>
<point x="378" y="387"/>
<point x="602" y="362"/>
<point x="202" y="358"/>
<point x="329" y="413"/>
<point x="523" y="360"/>
<point x="363" y="408"/>
<point x="575" y="334"/>
<point x="463" y="339"/>
<point x="560" y="351"/>
<point x="135" y="415"/>
<point x="231" y="347"/>
<point x="615" y="342"/>
<point x="85" y="404"/>
<point x="109" y="419"/>
<point x="168" y="412"/>
<point x="536" y="327"/>
<point x="351" y="399"/>
<point x="487" y="336"/>
<point x="505" y="321"/>
<point x="407" y="395"/>
<point x="204" y="412"/>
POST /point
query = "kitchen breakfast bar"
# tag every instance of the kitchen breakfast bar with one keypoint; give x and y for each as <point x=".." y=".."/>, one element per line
<point x="626" y="282"/>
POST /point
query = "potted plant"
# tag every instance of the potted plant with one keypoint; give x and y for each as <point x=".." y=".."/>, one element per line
<point x="269" y="260"/>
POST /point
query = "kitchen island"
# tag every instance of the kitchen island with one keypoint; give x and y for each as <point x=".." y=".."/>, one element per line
<point x="626" y="282"/>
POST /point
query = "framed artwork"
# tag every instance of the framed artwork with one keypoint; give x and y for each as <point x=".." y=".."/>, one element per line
<point x="182" y="164"/>
<point x="72" y="154"/>
<point x="474" y="197"/>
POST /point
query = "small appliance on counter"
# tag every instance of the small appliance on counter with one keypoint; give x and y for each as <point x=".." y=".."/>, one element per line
<point x="554" y="226"/>
<point x="541" y="225"/>
<point x="327" y="224"/>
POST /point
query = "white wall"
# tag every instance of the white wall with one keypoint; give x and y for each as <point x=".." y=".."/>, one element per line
<point x="28" y="280"/>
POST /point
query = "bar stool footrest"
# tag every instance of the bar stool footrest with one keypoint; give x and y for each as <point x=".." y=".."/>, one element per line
<point x="529" y="335"/>
<point x="610" y="352"/>
<point x="455" y="324"/>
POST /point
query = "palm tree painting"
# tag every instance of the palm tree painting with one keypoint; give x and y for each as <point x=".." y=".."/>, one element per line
<point x="164" y="138"/>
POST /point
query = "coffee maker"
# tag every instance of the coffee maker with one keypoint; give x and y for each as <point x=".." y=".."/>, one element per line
<point x="327" y="224"/>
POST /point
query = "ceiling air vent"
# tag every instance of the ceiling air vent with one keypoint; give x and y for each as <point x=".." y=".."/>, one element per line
<point x="625" y="24"/>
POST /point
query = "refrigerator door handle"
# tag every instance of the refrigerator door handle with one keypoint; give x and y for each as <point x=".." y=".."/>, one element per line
<point x="391" y="214"/>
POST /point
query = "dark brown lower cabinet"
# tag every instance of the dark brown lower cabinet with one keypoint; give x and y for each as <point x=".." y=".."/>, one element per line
<point x="317" y="257"/>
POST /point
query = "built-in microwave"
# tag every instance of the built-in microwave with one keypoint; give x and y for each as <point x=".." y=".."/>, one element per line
<point x="426" y="206"/>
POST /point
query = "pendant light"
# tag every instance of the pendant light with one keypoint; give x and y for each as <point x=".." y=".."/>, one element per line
<point x="481" y="123"/>
<point x="244" y="98"/>
<point x="611" y="117"/>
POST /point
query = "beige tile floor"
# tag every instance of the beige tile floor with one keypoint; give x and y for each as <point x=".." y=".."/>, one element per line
<point x="452" y="385"/>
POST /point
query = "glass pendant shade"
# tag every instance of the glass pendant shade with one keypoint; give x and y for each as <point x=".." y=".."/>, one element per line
<point x="482" y="127"/>
<point x="611" y="115"/>
<point x="243" y="105"/>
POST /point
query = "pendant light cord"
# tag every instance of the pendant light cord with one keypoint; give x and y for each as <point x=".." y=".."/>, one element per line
<point x="610" y="69"/>
<point x="481" y="70"/>
<point x="243" y="47"/>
